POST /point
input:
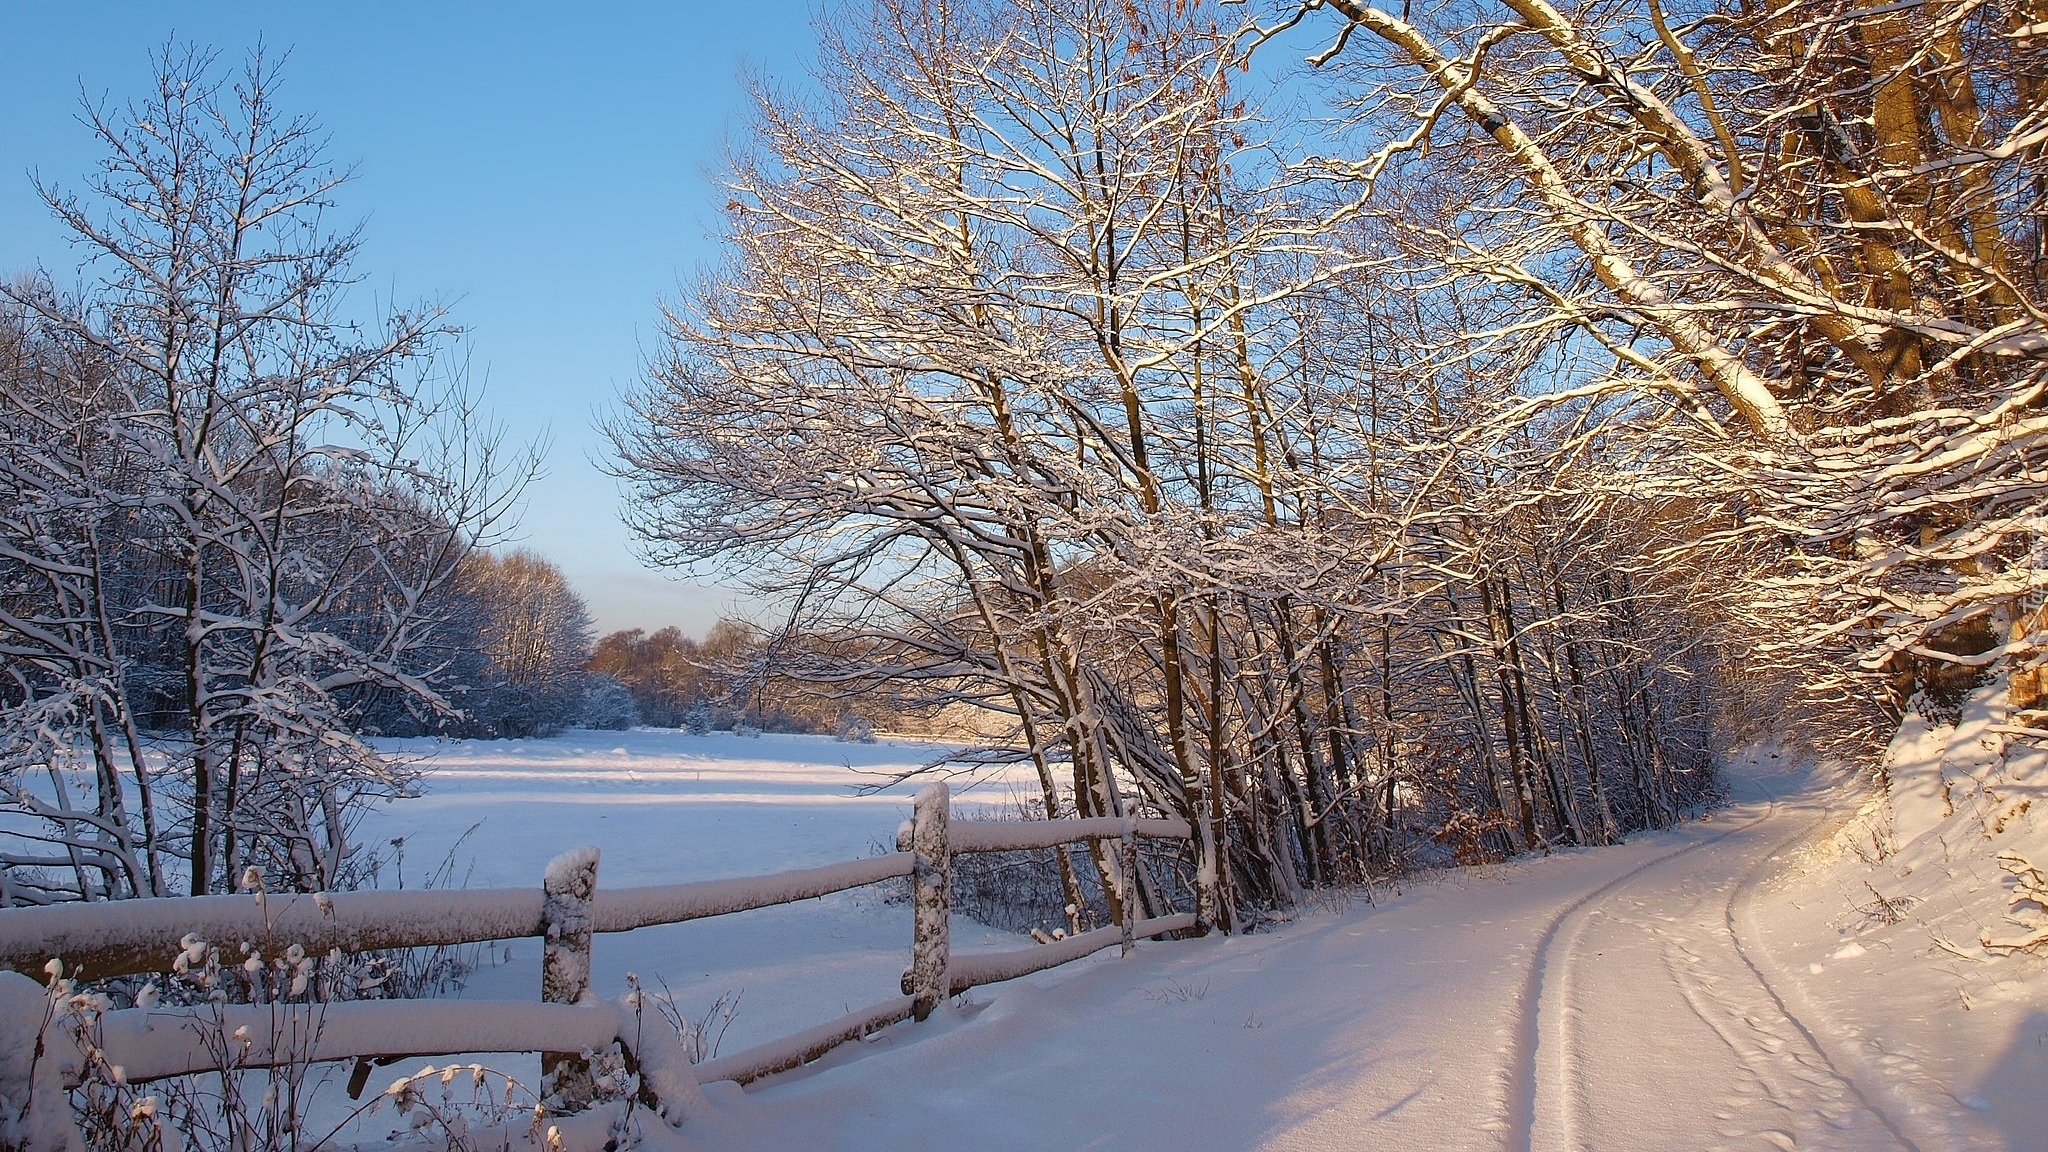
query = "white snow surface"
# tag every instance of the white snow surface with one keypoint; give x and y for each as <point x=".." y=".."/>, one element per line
<point x="1735" y="983"/>
<point x="665" y="808"/>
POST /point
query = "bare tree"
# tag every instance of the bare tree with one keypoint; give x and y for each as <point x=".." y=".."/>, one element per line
<point x="1790" y="257"/>
<point x="293" y="493"/>
<point x="533" y="639"/>
<point x="1038" y="381"/>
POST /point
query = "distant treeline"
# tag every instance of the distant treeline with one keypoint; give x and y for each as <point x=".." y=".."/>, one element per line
<point x="733" y="677"/>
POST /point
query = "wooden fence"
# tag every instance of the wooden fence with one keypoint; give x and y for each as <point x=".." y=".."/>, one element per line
<point x="99" y="941"/>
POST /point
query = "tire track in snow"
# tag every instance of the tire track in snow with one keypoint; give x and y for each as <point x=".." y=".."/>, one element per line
<point x="1546" y="1056"/>
<point x="1777" y="1052"/>
<point x="1535" y="1018"/>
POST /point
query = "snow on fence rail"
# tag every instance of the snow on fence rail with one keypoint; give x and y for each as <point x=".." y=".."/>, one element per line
<point x="98" y="941"/>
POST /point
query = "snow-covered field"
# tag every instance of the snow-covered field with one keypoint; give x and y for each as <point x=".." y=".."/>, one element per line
<point x="1735" y="983"/>
<point x="666" y="807"/>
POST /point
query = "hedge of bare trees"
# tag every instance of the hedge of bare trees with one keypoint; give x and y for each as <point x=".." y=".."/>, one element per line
<point x="1788" y="256"/>
<point x="1444" y="455"/>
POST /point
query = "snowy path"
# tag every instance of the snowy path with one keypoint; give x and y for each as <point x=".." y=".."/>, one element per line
<point x="1669" y="952"/>
<point x="1626" y="998"/>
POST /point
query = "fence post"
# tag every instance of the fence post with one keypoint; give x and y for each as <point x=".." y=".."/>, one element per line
<point x="569" y="886"/>
<point x="931" y="885"/>
<point x="1127" y="863"/>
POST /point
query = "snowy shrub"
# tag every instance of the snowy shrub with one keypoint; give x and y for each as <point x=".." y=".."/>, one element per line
<point x="696" y="1039"/>
<point x="1022" y="891"/>
<point x="701" y="719"/>
<point x="428" y="970"/>
<point x="230" y="1108"/>
<point x="463" y="1108"/>
<point x="608" y="703"/>
<point x="110" y="1113"/>
<point x="244" y="1105"/>
<point x="1025" y="890"/>
<point x="854" y="728"/>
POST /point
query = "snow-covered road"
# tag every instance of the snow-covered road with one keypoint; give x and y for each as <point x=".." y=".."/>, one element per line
<point x="1663" y="1020"/>
<point x="1636" y="997"/>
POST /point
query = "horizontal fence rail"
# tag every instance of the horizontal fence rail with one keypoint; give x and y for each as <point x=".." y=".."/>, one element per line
<point x="624" y="909"/>
<point x="103" y="940"/>
<point x="978" y="968"/>
<point x="803" y="1047"/>
<point x="124" y="937"/>
<point x="1012" y="835"/>
<point x="127" y="937"/>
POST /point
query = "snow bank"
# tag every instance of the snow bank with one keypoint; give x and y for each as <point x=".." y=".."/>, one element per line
<point x="35" y="1116"/>
<point x="1910" y="932"/>
<point x="1955" y="832"/>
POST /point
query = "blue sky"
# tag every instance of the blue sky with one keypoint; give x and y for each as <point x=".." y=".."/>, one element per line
<point x="545" y="170"/>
